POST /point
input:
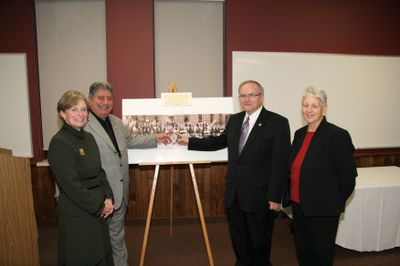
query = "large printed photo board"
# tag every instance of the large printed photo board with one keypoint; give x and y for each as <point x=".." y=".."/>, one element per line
<point x="201" y="118"/>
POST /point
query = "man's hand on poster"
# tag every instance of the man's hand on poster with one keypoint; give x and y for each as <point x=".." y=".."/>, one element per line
<point x="183" y="139"/>
<point x="164" y="138"/>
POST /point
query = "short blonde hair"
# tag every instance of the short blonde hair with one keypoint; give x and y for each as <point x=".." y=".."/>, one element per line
<point x="317" y="93"/>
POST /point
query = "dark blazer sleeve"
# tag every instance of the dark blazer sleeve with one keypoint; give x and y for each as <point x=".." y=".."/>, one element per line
<point x="108" y="194"/>
<point x="210" y="143"/>
<point x="344" y="162"/>
<point x="280" y="154"/>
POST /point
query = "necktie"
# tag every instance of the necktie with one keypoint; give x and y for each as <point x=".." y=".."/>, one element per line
<point x="243" y="134"/>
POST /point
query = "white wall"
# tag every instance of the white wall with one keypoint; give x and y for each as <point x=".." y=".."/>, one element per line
<point x="189" y="47"/>
<point x="72" y="53"/>
<point x="15" y="133"/>
<point x="363" y="91"/>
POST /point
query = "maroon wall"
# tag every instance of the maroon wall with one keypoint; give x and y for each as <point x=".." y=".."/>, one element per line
<point x="318" y="26"/>
<point x="326" y="26"/>
<point x="18" y="35"/>
<point x="130" y="49"/>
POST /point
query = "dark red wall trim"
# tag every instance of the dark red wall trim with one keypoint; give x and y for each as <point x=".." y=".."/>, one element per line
<point x="347" y="27"/>
<point x="130" y="49"/>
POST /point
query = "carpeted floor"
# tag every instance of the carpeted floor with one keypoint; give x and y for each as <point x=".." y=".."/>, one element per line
<point x="187" y="247"/>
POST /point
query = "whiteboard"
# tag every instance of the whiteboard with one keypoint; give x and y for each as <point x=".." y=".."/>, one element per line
<point x="363" y="91"/>
<point x="15" y="133"/>
<point x="178" y="153"/>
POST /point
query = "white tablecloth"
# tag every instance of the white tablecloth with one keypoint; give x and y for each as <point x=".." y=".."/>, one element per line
<point x="371" y="221"/>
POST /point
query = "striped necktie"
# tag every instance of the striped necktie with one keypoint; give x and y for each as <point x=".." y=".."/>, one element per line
<point x="243" y="134"/>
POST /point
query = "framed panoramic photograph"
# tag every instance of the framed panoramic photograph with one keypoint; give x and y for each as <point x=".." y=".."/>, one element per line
<point x="201" y="118"/>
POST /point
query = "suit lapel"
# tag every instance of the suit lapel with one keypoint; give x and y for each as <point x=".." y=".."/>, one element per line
<point x="319" y="135"/>
<point x="237" y="129"/>
<point x="100" y="131"/>
<point x="117" y="133"/>
<point x="297" y="142"/>
<point x="258" y="126"/>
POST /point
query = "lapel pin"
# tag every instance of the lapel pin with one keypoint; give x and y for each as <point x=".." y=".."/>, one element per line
<point x="259" y="124"/>
<point x="82" y="151"/>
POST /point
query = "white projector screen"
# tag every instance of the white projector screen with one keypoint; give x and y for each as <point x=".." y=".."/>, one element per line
<point x="363" y="91"/>
<point x="15" y="133"/>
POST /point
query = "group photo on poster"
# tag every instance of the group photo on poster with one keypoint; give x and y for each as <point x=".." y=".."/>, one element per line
<point x="200" y="117"/>
<point x="194" y="125"/>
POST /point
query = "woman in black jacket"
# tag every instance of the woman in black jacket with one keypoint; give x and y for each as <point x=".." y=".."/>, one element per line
<point x="85" y="196"/>
<point x="322" y="177"/>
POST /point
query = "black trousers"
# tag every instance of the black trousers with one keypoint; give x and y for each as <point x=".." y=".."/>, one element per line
<point x="314" y="237"/>
<point x="251" y="234"/>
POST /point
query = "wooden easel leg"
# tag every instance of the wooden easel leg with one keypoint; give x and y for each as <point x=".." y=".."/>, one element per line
<point x="171" y="202"/>
<point x="149" y="213"/>
<point x="199" y="207"/>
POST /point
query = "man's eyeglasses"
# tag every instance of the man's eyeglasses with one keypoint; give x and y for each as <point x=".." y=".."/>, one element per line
<point x="250" y="95"/>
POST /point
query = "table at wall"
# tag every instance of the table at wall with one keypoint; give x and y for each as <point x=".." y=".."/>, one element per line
<point x="371" y="221"/>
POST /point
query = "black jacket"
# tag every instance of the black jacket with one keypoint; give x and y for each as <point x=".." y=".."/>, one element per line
<point x="259" y="173"/>
<point x="328" y="172"/>
<point x="83" y="237"/>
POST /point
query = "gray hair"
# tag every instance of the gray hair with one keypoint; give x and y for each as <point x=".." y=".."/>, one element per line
<point x="316" y="93"/>
<point x="99" y="85"/>
<point x="261" y="89"/>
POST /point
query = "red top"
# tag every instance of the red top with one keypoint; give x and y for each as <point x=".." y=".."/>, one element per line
<point x="296" y="167"/>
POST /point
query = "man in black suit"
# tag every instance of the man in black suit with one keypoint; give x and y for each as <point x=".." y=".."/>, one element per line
<point x="258" y="144"/>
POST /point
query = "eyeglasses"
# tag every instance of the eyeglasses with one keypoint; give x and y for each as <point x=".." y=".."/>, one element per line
<point x="250" y="95"/>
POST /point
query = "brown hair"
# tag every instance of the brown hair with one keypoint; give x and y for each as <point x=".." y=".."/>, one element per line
<point x="70" y="99"/>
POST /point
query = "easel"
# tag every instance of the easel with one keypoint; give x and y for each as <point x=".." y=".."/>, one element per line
<point x="151" y="204"/>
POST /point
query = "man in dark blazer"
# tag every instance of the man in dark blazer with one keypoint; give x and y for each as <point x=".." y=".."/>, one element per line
<point x="256" y="172"/>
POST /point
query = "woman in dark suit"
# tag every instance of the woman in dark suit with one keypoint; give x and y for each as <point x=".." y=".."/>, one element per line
<point x="85" y="196"/>
<point x="322" y="177"/>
